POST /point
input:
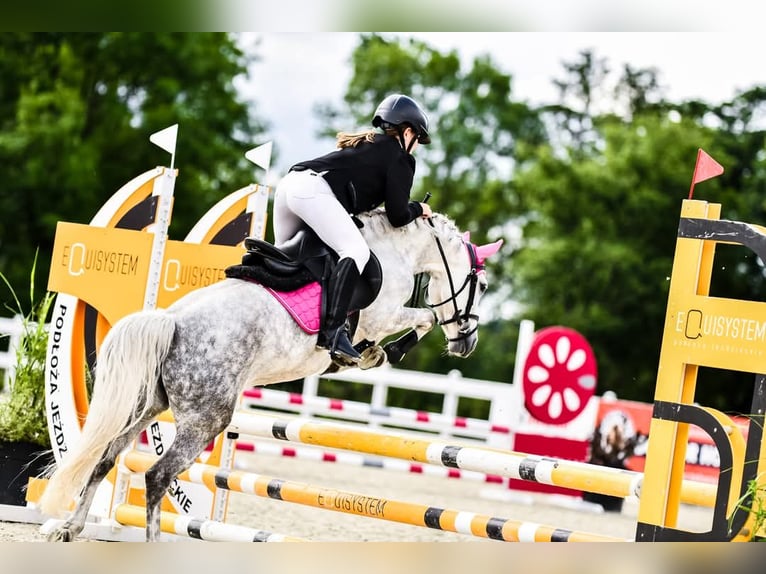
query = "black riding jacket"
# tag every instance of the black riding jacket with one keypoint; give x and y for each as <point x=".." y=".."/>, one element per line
<point x="371" y="174"/>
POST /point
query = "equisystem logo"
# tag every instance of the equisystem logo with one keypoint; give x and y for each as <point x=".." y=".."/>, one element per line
<point x="78" y="259"/>
<point x="695" y="324"/>
<point x="178" y="275"/>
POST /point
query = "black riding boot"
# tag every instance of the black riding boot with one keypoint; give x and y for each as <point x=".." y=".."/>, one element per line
<point x="340" y="288"/>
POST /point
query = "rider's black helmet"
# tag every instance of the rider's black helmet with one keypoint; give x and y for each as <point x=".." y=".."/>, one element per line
<point x="398" y="109"/>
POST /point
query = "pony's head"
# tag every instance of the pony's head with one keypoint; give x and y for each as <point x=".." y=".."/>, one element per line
<point x="457" y="283"/>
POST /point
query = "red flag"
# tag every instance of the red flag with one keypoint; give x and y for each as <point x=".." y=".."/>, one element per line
<point x="705" y="168"/>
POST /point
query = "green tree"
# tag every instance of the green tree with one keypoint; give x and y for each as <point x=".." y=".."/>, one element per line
<point x="599" y="242"/>
<point x="76" y="111"/>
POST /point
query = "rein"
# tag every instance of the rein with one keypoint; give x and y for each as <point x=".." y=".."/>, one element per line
<point x="471" y="280"/>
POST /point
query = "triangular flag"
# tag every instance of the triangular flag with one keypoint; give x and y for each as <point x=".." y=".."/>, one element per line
<point x="705" y="168"/>
<point x="260" y="156"/>
<point x="166" y="139"/>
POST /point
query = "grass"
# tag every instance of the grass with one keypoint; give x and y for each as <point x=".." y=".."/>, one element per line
<point x="22" y="416"/>
<point x="756" y="505"/>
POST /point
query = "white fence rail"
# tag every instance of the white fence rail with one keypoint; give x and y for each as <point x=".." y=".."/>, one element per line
<point x="502" y="399"/>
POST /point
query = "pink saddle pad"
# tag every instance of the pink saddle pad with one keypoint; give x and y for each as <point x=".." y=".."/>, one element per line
<point x="304" y="305"/>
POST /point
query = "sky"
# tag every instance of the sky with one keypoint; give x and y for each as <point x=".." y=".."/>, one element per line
<point x="298" y="70"/>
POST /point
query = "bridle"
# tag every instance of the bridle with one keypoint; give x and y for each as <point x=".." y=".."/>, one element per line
<point x="470" y="282"/>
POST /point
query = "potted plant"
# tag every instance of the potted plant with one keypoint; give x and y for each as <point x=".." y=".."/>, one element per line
<point x="24" y="441"/>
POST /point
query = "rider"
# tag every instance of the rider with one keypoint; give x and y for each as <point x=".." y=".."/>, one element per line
<point x="368" y="169"/>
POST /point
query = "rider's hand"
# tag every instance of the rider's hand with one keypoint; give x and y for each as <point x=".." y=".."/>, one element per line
<point x="426" y="210"/>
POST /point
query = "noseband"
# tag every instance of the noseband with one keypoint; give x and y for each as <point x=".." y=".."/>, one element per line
<point x="471" y="281"/>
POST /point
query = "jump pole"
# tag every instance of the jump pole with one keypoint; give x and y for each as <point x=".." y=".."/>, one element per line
<point x="187" y="526"/>
<point x="373" y="507"/>
<point x="568" y="474"/>
<point x="268" y="448"/>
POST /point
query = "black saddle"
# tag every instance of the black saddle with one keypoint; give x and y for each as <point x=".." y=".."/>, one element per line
<point x="300" y="261"/>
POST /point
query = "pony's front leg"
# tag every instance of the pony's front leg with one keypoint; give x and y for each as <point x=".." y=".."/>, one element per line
<point x="419" y="322"/>
<point x="395" y="350"/>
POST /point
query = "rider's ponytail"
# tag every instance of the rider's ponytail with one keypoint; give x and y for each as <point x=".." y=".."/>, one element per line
<point x="344" y="140"/>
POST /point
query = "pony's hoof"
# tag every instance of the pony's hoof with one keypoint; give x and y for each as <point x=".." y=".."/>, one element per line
<point x="372" y="357"/>
<point x="62" y="534"/>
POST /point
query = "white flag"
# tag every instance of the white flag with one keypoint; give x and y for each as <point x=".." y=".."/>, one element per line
<point x="260" y="156"/>
<point x="166" y="139"/>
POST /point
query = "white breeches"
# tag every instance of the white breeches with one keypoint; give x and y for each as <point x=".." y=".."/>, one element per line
<point x="305" y="197"/>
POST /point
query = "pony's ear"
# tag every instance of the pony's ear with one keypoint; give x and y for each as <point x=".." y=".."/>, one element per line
<point x="485" y="251"/>
<point x="467" y="236"/>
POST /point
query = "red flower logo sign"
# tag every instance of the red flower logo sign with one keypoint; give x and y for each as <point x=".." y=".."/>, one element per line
<point x="559" y="375"/>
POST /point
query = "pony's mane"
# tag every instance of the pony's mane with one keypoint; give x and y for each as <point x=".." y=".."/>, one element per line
<point x="377" y="222"/>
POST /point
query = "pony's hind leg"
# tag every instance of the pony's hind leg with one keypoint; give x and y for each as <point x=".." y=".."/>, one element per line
<point x="71" y="527"/>
<point x="69" y="530"/>
<point x="192" y="436"/>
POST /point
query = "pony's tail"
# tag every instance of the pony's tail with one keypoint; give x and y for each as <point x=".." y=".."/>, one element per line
<point x="127" y="377"/>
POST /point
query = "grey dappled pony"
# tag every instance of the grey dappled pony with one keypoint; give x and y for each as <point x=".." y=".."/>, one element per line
<point x="197" y="356"/>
